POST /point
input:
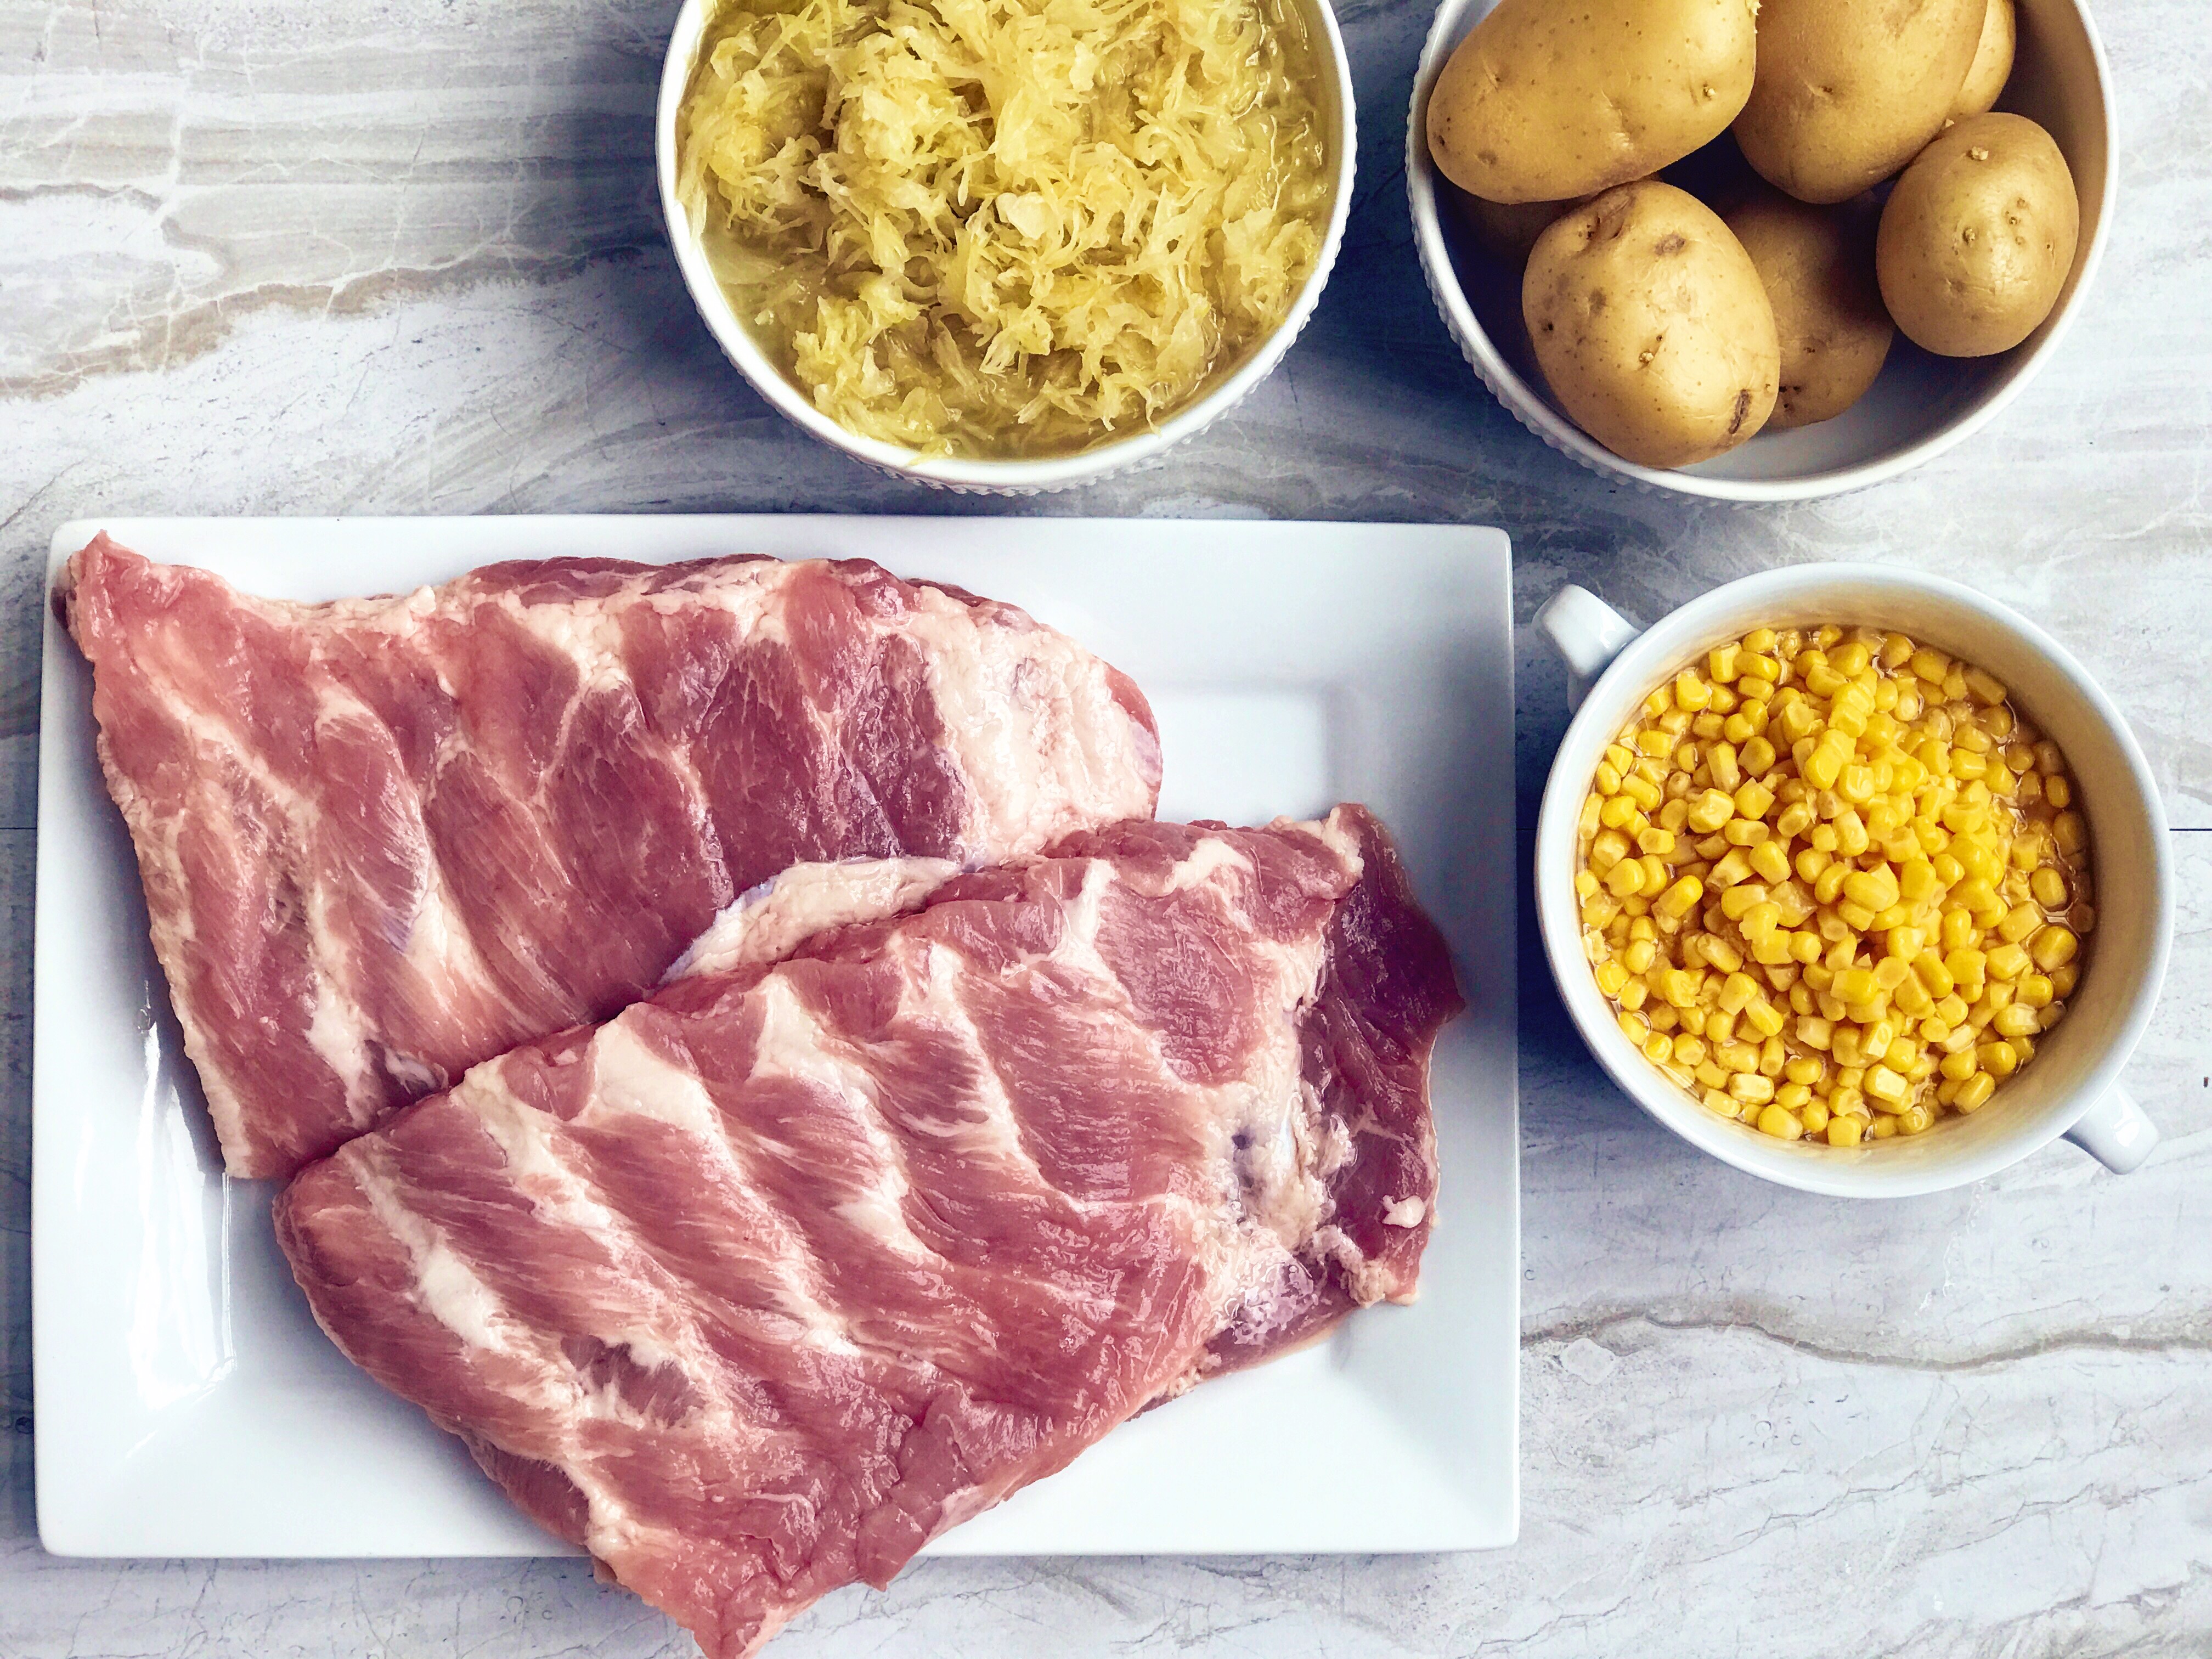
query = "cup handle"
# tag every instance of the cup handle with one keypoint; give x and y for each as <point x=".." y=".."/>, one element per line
<point x="2115" y="1131"/>
<point x="1587" y="632"/>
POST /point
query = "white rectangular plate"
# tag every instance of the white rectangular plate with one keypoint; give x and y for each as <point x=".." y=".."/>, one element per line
<point x="187" y="1405"/>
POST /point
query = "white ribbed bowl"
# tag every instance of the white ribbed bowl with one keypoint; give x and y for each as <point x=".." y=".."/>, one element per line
<point x="1009" y="477"/>
<point x="1920" y="407"/>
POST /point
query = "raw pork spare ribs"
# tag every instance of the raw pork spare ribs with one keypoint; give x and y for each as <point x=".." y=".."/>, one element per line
<point x="759" y="1287"/>
<point x="384" y="839"/>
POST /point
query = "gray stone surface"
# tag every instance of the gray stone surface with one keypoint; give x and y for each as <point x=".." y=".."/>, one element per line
<point x="398" y="256"/>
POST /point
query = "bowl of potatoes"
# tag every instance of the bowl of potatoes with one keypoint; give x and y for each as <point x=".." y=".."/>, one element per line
<point x="1759" y="250"/>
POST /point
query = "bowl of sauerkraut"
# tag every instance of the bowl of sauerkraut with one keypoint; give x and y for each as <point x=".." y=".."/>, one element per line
<point x="1005" y="246"/>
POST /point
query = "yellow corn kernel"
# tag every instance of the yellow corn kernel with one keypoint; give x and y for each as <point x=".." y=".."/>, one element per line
<point x="1875" y="888"/>
<point x="1821" y="767"/>
<point x="1692" y="693"/>
<point x="1770" y="861"/>
<point x="1658" y="1048"/>
<point x="1690" y="1048"/>
<point x="1626" y="878"/>
<point x="1855" y="985"/>
<point x="1884" y="1084"/>
<point x="2059" y="793"/>
<point x="1710" y="811"/>
<point x="2048" y="887"/>
<point x="1764" y="1017"/>
<point x="1797" y="1097"/>
<point x="1914" y="1119"/>
<point x="1643" y="791"/>
<point x="1844" y="1131"/>
<point x="1679" y="900"/>
<point x="1958" y="932"/>
<point x="1974" y="1093"/>
<point x="1750" y="1086"/>
<point x="2007" y="962"/>
<point x="1617" y="811"/>
<point x="1611" y="976"/>
<point x="1739" y="899"/>
<point x="2070" y="833"/>
<point x="2016" y="1019"/>
<point x="1679" y="986"/>
<point x="1757" y="756"/>
<point x="2054" y="947"/>
<point x="1999" y="1060"/>
<point x="1736" y="866"/>
<point x="1737" y="1059"/>
<point x="1736" y="992"/>
<point x="2063" y="980"/>
<point x="1780" y="1122"/>
<point x="1986" y="688"/>
<point x="1639" y="957"/>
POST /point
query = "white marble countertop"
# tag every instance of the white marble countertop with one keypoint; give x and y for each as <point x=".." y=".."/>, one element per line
<point x="399" y="255"/>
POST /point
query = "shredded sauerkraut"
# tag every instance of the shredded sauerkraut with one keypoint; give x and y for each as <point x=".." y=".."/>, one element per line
<point x="1006" y="227"/>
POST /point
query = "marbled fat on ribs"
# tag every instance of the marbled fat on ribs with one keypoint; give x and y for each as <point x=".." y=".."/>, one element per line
<point x="759" y="1287"/>
<point x="384" y="839"/>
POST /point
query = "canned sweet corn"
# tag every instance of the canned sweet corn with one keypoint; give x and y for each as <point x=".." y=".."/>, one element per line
<point x="1834" y="884"/>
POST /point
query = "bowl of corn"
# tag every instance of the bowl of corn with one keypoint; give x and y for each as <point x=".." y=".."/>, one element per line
<point x="1853" y="878"/>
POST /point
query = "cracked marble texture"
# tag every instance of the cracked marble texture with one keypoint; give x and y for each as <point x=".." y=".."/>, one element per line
<point x="401" y="256"/>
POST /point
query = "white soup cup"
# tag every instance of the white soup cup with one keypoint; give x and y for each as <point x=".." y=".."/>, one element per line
<point x="2072" y="1087"/>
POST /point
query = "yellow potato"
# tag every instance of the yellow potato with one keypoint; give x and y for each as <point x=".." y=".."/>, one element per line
<point x="1992" y="67"/>
<point x="1848" y="91"/>
<point x="1979" y="236"/>
<point x="1650" y="325"/>
<point x="1507" y="230"/>
<point x="1544" y="103"/>
<point x="1817" y="266"/>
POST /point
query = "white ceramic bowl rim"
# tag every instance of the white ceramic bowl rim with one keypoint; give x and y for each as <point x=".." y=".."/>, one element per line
<point x="1016" y="476"/>
<point x="1532" y="409"/>
<point x="1644" y="661"/>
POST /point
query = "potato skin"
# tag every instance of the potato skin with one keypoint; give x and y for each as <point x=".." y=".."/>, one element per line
<point x="1848" y="91"/>
<point x="1992" y="68"/>
<point x="1650" y="325"/>
<point x="1978" y="237"/>
<point x="1544" y="103"/>
<point x="1816" y="265"/>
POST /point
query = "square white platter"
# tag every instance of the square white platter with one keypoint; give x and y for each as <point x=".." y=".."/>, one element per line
<point x="188" y="1405"/>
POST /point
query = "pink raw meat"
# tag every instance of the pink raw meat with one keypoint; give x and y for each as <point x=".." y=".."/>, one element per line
<point x="384" y="839"/>
<point x="757" y="1288"/>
